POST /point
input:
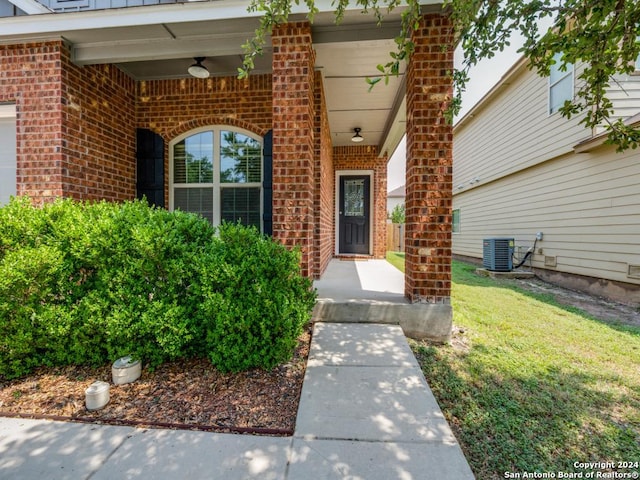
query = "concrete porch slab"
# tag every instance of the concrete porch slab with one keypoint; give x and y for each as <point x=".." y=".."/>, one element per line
<point x="363" y="281"/>
<point x="372" y="291"/>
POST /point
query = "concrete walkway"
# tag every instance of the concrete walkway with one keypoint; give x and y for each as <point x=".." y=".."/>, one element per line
<point x="366" y="412"/>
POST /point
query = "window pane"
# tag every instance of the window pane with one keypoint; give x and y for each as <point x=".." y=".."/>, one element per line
<point x="240" y="158"/>
<point x="195" y="200"/>
<point x="555" y="73"/>
<point x="192" y="159"/>
<point x="241" y="204"/>
<point x="354" y="198"/>
<point x="560" y="92"/>
<point x="456" y="221"/>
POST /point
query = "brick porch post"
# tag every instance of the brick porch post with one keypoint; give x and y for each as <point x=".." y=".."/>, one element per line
<point x="293" y="134"/>
<point x="429" y="164"/>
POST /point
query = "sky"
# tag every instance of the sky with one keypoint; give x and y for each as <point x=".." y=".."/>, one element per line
<point x="482" y="77"/>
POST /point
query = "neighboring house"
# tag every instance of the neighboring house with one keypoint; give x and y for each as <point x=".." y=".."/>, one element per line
<point x="521" y="168"/>
<point x="394" y="198"/>
<point x="97" y="97"/>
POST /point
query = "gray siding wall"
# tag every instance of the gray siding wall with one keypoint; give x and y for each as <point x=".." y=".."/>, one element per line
<point x="8" y="9"/>
<point x="624" y="93"/>
<point x="587" y="205"/>
<point x="512" y="132"/>
<point x="530" y="180"/>
<point x="76" y="5"/>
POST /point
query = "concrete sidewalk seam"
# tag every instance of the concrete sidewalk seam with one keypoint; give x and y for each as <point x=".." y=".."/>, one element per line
<point x="113" y="452"/>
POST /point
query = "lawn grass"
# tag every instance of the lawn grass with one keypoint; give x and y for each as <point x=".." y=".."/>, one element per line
<point x="531" y="385"/>
<point x="396" y="259"/>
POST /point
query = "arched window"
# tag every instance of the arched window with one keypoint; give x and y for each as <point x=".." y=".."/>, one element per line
<point x="217" y="172"/>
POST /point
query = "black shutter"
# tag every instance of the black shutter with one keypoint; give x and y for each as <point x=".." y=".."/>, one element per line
<point x="150" y="167"/>
<point x="267" y="184"/>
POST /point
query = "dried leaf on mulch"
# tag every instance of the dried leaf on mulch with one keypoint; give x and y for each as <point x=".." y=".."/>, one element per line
<point x="188" y="394"/>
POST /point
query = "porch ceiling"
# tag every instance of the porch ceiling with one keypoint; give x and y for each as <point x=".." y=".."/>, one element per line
<point x="159" y="42"/>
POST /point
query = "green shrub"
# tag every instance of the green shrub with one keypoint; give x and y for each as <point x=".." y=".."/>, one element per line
<point x="258" y="302"/>
<point x="86" y="283"/>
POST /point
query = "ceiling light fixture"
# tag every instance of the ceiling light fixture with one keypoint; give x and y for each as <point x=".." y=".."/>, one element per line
<point x="357" y="138"/>
<point x="197" y="69"/>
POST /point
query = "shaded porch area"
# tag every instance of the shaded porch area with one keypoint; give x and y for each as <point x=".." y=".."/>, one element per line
<point x="372" y="291"/>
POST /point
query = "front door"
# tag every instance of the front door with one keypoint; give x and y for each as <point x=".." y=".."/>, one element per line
<point x="354" y="214"/>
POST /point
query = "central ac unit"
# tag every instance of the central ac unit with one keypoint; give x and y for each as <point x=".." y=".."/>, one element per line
<point x="497" y="254"/>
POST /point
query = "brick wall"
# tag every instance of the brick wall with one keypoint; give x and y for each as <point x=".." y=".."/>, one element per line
<point x="324" y="194"/>
<point x="429" y="163"/>
<point x="173" y="107"/>
<point x="76" y="132"/>
<point x="73" y="124"/>
<point x="365" y="157"/>
<point x="31" y="77"/>
<point x="293" y="139"/>
<point x="98" y="131"/>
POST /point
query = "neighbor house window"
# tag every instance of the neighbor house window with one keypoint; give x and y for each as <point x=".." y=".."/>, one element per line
<point x="456" y="220"/>
<point x="217" y="173"/>
<point x="560" y="84"/>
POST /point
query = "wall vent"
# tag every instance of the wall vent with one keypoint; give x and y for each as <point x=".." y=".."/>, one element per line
<point x="633" y="271"/>
<point x="550" y="261"/>
<point x="497" y="254"/>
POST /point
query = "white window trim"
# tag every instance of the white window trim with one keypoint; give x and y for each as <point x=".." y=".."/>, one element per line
<point x="8" y="164"/>
<point x="550" y="86"/>
<point x="217" y="185"/>
<point x="346" y="173"/>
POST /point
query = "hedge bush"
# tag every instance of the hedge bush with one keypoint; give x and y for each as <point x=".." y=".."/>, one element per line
<point x="87" y="283"/>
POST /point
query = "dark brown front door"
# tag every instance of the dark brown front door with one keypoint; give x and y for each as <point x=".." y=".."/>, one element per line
<point x="354" y="214"/>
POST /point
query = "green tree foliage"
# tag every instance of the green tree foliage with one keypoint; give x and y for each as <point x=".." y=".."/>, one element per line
<point x="241" y="158"/>
<point x="397" y="214"/>
<point x="602" y="35"/>
<point x="88" y="283"/>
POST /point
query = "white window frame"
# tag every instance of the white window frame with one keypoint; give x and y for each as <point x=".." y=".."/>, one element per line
<point x="217" y="185"/>
<point x="569" y="72"/>
<point x="9" y="165"/>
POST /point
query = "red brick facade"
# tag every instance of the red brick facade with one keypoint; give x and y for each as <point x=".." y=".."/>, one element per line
<point x="293" y="139"/>
<point x="76" y="130"/>
<point x="429" y="163"/>
<point x="324" y="192"/>
<point x="98" y="132"/>
<point x="174" y="107"/>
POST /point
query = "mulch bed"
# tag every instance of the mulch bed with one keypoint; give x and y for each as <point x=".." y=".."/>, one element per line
<point x="185" y="394"/>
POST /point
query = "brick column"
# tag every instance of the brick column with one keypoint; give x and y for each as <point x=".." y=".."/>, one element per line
<point x="293" y="139"/>
<point x="31" y="76"/>
<point x="429" y="163"/>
